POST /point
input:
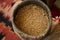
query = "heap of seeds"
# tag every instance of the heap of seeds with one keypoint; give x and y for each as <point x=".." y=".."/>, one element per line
<point x="32" y="20"/>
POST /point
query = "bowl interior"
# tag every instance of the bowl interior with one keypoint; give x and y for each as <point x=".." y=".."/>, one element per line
<point x="39" y="3"/>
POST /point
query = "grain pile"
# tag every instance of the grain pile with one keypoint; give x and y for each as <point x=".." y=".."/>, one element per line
<point x="32" y="20"/>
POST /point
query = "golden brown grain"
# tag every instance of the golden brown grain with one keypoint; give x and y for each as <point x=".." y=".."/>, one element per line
<point x="32" y="20"/>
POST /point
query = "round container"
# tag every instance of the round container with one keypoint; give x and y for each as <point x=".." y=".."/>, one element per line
<point x="27" y="2"/>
